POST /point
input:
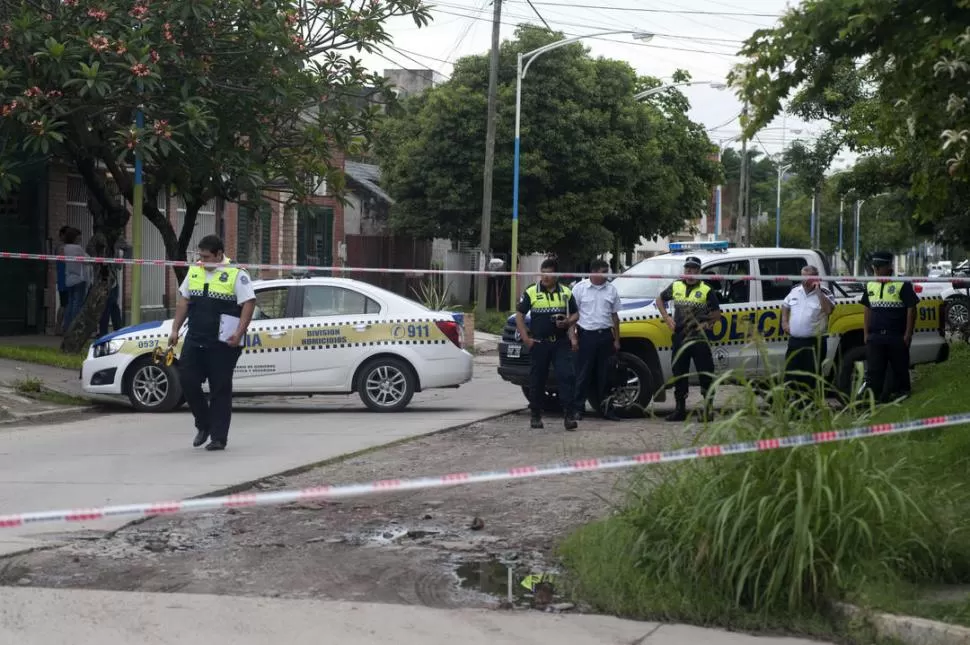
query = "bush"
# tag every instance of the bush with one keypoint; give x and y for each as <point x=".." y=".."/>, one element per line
<point x="770" y="539"/>
<point x="493" y="322"/>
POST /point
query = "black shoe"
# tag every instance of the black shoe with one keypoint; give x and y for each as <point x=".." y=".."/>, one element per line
<point x="216" y="445"/>
<point x="536" y="422"/>
<point x="200" y="438"/>
<point x="569" y="422"/>
<point x="610" y="415"/>
<point x="678" y="415"/>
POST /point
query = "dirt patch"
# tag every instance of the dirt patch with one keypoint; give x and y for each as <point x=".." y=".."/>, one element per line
<point x="440" y="548"/>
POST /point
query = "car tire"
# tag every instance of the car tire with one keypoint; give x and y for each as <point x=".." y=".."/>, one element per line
<point x="639" y="391"/>
<point x="845" y="380"/>
<point x="553" y="404"/>
<point x="153" y="388"/>
<point x="957" y="313"/>
<point x="386" y="384"/>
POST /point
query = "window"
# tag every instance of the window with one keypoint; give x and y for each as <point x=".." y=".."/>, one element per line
<point x="771" y="289"/>
<point x="271" y="303"/>
<point x="731" y="292"/>
<point x="336" y="301"/>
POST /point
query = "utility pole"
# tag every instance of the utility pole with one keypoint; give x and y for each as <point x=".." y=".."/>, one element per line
<point x="481" y="282"/>
<point x="743" y="225"/>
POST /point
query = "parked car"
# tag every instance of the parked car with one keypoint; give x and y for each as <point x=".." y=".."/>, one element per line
<point x="751" y="310"/>
<point x="308" y="336"/>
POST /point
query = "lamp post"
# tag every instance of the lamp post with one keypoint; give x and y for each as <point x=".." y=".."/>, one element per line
<point x="717" y="85"/>
<point x="858" y="213"/>
<point x="841" y="250"/>
<point x="781" y="174"/>
<point x="524" y="61"/>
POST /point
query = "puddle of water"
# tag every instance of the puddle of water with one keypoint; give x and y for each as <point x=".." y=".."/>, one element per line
<point x="491" y="577"/>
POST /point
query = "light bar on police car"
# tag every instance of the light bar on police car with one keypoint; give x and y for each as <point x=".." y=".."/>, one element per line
<point x="680" y="247"/>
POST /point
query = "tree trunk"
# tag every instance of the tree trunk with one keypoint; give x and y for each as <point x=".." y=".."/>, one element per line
<point x="110" y="218"/>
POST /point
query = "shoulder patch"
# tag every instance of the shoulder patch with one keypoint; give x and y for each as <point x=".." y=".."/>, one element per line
<point x="244" y="278"/>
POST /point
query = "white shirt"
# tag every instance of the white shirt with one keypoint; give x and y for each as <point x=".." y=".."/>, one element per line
<point x="75" y="272"/>
<point x="596" y="304"/>
<point x="244" y="285"/>
<point x="807" y="318"/>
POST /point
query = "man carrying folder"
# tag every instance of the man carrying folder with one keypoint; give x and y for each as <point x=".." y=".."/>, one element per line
<point x="218" y="301"/>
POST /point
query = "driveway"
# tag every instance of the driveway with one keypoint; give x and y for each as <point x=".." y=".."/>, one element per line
<point x="123" y="457"/>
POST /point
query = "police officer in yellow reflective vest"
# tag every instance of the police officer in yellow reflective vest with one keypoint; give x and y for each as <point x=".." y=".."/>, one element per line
<point x="553" y="310"/>
<point x="890" y="317"/>
<point x="696" y="307"/>
<point x="218" y="302"/>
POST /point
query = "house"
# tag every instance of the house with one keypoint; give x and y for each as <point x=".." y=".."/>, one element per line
<point x="54" y="196"/>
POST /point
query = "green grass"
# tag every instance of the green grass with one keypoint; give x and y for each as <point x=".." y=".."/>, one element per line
<point x="34" y="388"/>
<point x="493" y="322"/>
<point x="768" y="541"/>
<point x="43" y="356"/>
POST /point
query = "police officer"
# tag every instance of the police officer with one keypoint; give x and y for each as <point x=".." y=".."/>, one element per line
<point x="890" y="317"/>
<point x="218" y="301"/>
<point x="554" y="311"/>
<point x="696" y="307"/>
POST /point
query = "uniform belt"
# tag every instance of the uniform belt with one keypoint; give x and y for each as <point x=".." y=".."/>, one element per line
<point x="596" y="331"/>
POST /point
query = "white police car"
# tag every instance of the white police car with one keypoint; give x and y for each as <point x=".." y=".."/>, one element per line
<point x="308" y="336"/>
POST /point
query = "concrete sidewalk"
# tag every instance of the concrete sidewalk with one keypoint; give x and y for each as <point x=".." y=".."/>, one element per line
<point x="45" y="616"/>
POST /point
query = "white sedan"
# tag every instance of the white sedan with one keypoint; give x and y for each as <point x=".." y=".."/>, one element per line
<point x="308" y="336"/>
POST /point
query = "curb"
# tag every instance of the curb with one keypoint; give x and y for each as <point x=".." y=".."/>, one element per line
<point x="909" y="629"/>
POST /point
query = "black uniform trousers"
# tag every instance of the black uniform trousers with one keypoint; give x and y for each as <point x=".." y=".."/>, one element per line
<point x="803" y="361"/>
<point x="884" y="351"/>
<point x="215" y="363"/>
<point x="593" y="366"/>
<point x="558" y="354"/>
<point x="687" y="348"/>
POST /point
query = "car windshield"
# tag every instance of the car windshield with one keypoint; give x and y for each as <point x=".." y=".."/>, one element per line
<point x="631" y="287"/>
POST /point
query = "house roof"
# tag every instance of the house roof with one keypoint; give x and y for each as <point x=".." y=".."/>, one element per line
<point x="368" y="176"/>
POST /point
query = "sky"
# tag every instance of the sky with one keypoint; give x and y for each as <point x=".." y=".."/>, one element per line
<point x="699" y="36"/>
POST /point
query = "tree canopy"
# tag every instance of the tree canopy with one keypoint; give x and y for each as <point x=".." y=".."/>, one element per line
<point x="238" y="96"/>
<point x="598" y="169"/>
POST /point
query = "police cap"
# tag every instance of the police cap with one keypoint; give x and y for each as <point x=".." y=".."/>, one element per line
<point x="882" y="258"/>
<point x="692" y="262"/>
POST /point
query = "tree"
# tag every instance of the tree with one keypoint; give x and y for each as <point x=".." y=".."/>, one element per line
<point x="597" y="168"/>
<point x="238" y="95"/>
<point x="893" y="74"/>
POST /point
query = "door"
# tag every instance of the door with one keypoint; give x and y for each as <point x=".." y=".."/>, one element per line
<point x="265" y="364"/>
<point x="315" y="237"/>
<point x="337" y="328"/>
<point x="773" y="293"/>
<point x="730" y="336"/>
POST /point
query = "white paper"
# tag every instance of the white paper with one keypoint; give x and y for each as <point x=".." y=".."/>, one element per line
<point x="227" y="327"/>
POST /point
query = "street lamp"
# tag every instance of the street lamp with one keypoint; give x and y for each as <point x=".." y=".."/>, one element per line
<point x="525" y="60"/>
<point x="781" y="174"/>
<point x="717" y="85"/>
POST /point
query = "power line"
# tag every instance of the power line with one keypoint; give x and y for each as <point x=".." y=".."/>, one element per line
<point x="413" y="60"/>
<point x="437" y="60"/>
<point x="686" y="12"/>
<point x="539" y="14"/>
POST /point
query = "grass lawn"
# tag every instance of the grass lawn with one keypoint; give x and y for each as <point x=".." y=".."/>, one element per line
<point x="493" y="322"/>
<point x="43" y="356"/>
<point x="768" y="541"/>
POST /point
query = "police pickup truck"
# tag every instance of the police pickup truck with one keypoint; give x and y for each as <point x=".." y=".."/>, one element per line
<point x="748" y="338"/>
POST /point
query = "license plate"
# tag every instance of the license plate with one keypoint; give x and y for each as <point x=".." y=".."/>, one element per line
<point x="513" y="351"/>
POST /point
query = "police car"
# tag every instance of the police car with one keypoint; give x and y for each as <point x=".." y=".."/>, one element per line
<point x="308" y="336"/>
<point x="747" y="340"/>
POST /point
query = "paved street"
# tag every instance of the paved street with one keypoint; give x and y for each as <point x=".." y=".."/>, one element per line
<point x="124" y="457"/>
<point x="106" y="618"/>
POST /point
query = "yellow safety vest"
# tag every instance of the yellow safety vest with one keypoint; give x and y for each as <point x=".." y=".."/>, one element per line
<point x="697" y="297"/>
<point x="221" y="287"/>
<point x="544" y="302"/>
<point x="885" y="294"/>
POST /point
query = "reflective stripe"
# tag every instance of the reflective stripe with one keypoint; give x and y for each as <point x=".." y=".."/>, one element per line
<point x="556" y="302"/>
<point x="697" y="298"/>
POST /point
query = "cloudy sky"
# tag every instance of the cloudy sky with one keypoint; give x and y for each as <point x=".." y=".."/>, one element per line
<point x="700" y="36"/>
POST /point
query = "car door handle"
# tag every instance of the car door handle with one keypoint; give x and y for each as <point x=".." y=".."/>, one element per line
<point x="361" y="327"/>
<point x="277" y="334"/>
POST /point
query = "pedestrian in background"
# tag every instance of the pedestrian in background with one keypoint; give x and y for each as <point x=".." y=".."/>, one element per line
<point x="553" y="311"/>
<point x="62" y="292"/>
<point x="890" y="317"/>
<point x="597" y="333"/>
<point x="696" y="308"/>
<point x="76" y="276"/>
<point x="804" y="317"/>
<point x="218" y="301"/>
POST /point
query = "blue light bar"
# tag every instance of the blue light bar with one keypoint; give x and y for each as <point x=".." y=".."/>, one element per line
<point x="681" y="247"/>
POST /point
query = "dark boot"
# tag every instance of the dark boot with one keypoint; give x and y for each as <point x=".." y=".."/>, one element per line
<point x="536" y="422"/>
<point x="680" y="413"/>
<point x="569" y="421"/>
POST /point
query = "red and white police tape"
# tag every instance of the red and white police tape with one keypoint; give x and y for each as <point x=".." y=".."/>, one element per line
<point x="337" y="270"/>
<point x="459" y="479"/>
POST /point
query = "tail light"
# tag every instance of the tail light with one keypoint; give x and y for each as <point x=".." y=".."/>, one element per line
<point x="918" y="288"/>
<point x="453" y="331"/>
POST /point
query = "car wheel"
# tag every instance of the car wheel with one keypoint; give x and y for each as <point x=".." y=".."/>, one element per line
<point x="153" y="388"/>
<point x="386" y="385"/>
<point x="957" y="313"/>
<point x="846" y="379"/>
<point x="553" y="404"/>
<point x="633" y="397"/>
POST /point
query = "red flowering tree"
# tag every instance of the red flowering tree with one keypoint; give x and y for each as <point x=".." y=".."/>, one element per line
<point x="237" y="95"/>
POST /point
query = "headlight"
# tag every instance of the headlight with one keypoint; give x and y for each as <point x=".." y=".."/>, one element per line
<point x="109" y="348"/>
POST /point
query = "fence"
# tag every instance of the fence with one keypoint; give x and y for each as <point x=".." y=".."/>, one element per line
<point x="389" y="252"/>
